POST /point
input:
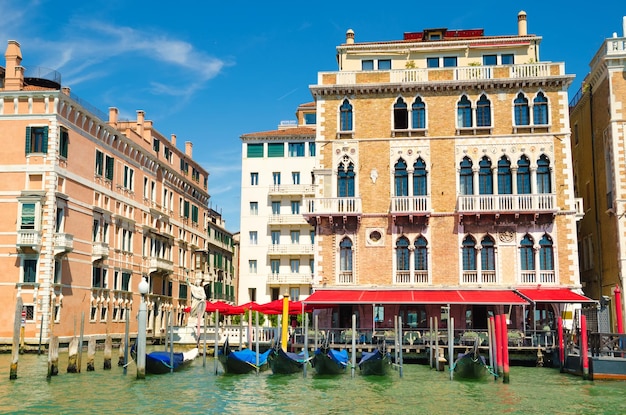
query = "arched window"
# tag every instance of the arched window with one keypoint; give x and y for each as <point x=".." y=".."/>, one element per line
<point x="345" y="180"/>
<point x="544" y="183"/>
<point x="402" y="254"/>
<point x="523" y="176"/>
<point x="527" y="254"/>
<point x="345" y="255"/>
<point x="483" y="112"/>
<point x="421" y="254"/>
<point x="418" y="112"/>
<point x="345" y="117"/>
<point x="546" y="257"/>
<point x="401" y="179"/>
<point x="466" y="180"/>
<point x="505" y="186"/>
<point x="469" y="254"/>
<point x="420" y="181"/>
<point x="464" y="112"/>
<point x="488" y="254"/>
<point x="522" y="113"/>
<point x="400" y="115"/>
<point x="540" y="109"/>
<point x="485" y="177"/>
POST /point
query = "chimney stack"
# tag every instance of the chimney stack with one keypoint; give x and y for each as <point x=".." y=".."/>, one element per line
<point x="350" y="36"/>
<point x="141" y="117"/>
<point x="522" y="25"/>
<point x="188" y="148"/>
<point x="14" y="74"/>
<point x="173" y="139"/>
<point x="113" y="113"/>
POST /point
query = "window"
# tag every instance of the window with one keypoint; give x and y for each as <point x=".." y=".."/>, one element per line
<point x="488" y="254"/>
<point x="168" y="155"/>
<point x="28" y="216"/>
<point x="64" y="141"/>
<point x="185" y="209"/>
<point x="254" y="150"/>
<point x="195" y="174"/>
<point x="312" y="149"/>
<point x="367" y="65"/>
<point x="128" y="178"/>
<point x="345" y="255"/>
<point x="310" y="118"/>
<point x="294" y="292"/>
<point x="254" y="208"/>
<point x="296" y="149"/>
<point x="275" y="208"/>
<point x="449" y="61"/>
<point x="400" y="115"/>
<point x="469" y="254"/>
<point x="527" y="254"/>
<point x="275" y="266"/>
<point x="295" y="207"/>
<point x="523" y="176"/>
<point x="275" y="237"/>
<point x="276" y="150"/>
<point x="156" y="145"/>
<point x="126" y="241"/>
<point x="184" y="166"/>
<point x="432" y="62"/>
<point x="490" y="60"/>
<point x="58" y="272"/>
<point x="252" y="266"/>
<point x="421" y="254"/>
<point x="420" y="182"/>
<point x="505" y="180"/>
<point x="108" y="168"/>
<point x="507" y="59"/>
<point x="540" y="109"/>
<point x="345" y="180"/>
<point x="99" y="162"/>
<point x="466" y="178"/>
<point x="464" y="112"/>
<point x="521" y="111"/>
<point x="546" y="257"/>
<point x="295" y="266"/>
<point x="276" y="178"/>
<point x="253" y="238"/>
<point x="295" y="237"/>
<point x="345" y="116"/>
<point x="543" y="175"/>
<point x="401" y="179"/>
<point x="125" y="281"/>
<point x="99" y="277"/>
<point x="418" y="112"/>
<point x="402" y="254"/>
<point x="194" y="213"/>
<point x="36" y="140"/>
<point x="485" y="177"/>
<point x="29" y="267"/>
<point x="295" y="177"/>
<point x="312" y="235"/>
<point x="483" y="112"/>
<point x="254" y="179"/>
<point x="384" y="64"/>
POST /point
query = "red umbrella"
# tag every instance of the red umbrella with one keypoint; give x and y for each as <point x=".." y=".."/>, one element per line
<point x="220" y="306"/>
<point x="276" y="307"/>
<point x="234" y="310"/>
<point x="252" y="305"/>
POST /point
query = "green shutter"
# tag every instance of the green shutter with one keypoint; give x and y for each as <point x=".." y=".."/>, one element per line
<point x="44" y="146"/>
<point x="186" y="209"/>
<point x="109" y="167"/>
<point x="276" y="150"/>
<point x="28" y="140"/>
<point x="255" y="150"/>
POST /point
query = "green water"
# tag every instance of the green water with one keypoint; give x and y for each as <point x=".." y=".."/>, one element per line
<point x="197" y="390"/>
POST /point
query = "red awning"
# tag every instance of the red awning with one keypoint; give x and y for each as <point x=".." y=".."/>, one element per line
<point x="326" y="297"/>
<point x="553" y="295"/>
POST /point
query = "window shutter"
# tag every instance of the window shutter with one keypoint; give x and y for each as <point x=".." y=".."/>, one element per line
<point x="27" y="140"/>
<point x="44" y="146"/>
<point x="109" y="167"/>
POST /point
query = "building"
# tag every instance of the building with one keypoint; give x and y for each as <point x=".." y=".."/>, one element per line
<point x="276" y="246"/>
<point x="222" y="260"/>
<point x="91" y="204"/>
<point x="443" y="178"/>
<point x="597" y="118"/>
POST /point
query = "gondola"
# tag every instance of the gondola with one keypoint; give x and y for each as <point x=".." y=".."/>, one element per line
<point x="471" y="364"/>
<point x="327" y="361"/>
<point x="241" y="361"/>
<point x="282" y="362"/>
<point x="375" y="363"/>
<point x="159" y="362"/>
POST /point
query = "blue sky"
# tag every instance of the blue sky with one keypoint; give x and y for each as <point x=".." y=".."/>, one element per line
<point x="211" y="71"/>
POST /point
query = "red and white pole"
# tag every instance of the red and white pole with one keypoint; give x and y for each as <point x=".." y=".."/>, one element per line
<point x="561" y="344"/>
<point x="584" y="354"/>
<point x="618" y="310"/>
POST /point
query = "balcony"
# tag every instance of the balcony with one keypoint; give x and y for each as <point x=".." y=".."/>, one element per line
<point x="411" y="278"/>
<point x="100" y="250"/>
<point x="541" y="277"/>
<point x="63" y="243"/>
<point x="479" y="277"/>
<point x="333" y="206"/>
<point x="410" y="206"/>
<point x="507" y="204"/>
<point x="28" y="240"/>
<point x="290" y="278"/>
<point x="161" y="265"/>
<point x="291" y="249"/>
<point x="287" y="220"/>
<point x="346" y="277"/>
<point x="291" y="189"/>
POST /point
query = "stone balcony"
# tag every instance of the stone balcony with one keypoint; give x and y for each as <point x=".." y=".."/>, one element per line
<point x="63" y="243"/>
<point x="28" y="240"/>
<point x="291" y="189"/>
<point x="410" y="206"/>
<point x="332" y="206"/>
<point x="291" y="249"/>
<point x="161" y="265"/>
<point x="289" y="278"/>
<point x="100" y="250"/>
<point x="507" y="204"/>
<point x="278" y="220"/>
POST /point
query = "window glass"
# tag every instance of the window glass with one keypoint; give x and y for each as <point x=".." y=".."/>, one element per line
<point x="432" y="62"/>
<point x="275" y="150"/>
<point x="449" y="61"/>
<point x="312" y="149"/>
<point x="254" y="179"/>
<point x="384" y="64"/>
<point x="255" y="150"/>
<point x="310" y="118"/>
<point x="30" y="270"/>
<point x="508" y="59"/>
<point x="490" y="60"/>
<point x="296" y="149"/>
<point x="367" y="65"/>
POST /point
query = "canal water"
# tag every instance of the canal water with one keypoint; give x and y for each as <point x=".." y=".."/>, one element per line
<point x="197" y="390"/>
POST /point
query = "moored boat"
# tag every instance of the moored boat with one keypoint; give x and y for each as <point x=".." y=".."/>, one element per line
<point x="242" y="361"/>
<point x="327" y="361"/>
<point x="282" y="362"/>
<point x="375" y="363"/>
<point x="471" y="365"/>
<point x="160" y="362"/>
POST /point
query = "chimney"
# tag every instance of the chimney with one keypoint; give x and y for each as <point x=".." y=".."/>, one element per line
<point x="522" y="25"/>
<point x="113" y="113"/>
<point x="188" y="148"/>
<point x="173" y="139"/>
<point x="14" y="74"/>
<point x="350" y="36"/>
<point x="141" y="116"/>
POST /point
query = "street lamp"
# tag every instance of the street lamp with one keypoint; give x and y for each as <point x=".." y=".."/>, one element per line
<point x="141" y="330"/>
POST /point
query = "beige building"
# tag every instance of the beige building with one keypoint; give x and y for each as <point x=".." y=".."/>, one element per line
<point x="90" y="205"/>
<point x="598" y="122"/>
<point x="443" y="177"/>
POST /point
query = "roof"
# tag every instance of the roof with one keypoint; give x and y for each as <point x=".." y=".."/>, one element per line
<point x="287" y="132"/>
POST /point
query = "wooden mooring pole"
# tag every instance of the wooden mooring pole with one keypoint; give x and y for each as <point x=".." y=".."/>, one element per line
<point x="108" y="346"/>
<point x="72" y="357"/>
<point x="53" y="357"/>
<point x="91" y="354"/>
<point x="17" y="324"/>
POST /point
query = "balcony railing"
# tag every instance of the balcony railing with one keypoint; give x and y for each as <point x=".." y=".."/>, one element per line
<point x="291" y="249"/>
<point x="341" y="206"/>
<point x="100" y="250"/>
<point x="63" y="242"/>
<point x="345" y="277"/>
<point x="482" y="277"/>
<point x="410" y="204"/>
<point x="161" y="265"/>
<point x="545" y="277"/>
<point x="290" y="278"/>
<point x="411" y="277"/>
<point x="287" y="220"/>
<point x="525" y="203"/>
<point x="292" y="189"/>
<point x="30" y="239"/>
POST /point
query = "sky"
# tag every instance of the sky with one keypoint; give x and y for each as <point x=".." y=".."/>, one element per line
<point x="210" y="71"/>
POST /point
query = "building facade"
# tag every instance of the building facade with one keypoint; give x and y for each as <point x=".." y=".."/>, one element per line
<point x="443" y="164"/>
<point x="91" y="205"/>
<point x="276" y="242"/>
<point x="221" y="260"/>
<point x="598" y="122"/>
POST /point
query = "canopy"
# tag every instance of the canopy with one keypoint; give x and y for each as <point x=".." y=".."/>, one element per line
<point x="276" y="307"/>
<point x="553" y="295"/>
<point x="485" y="296"/>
